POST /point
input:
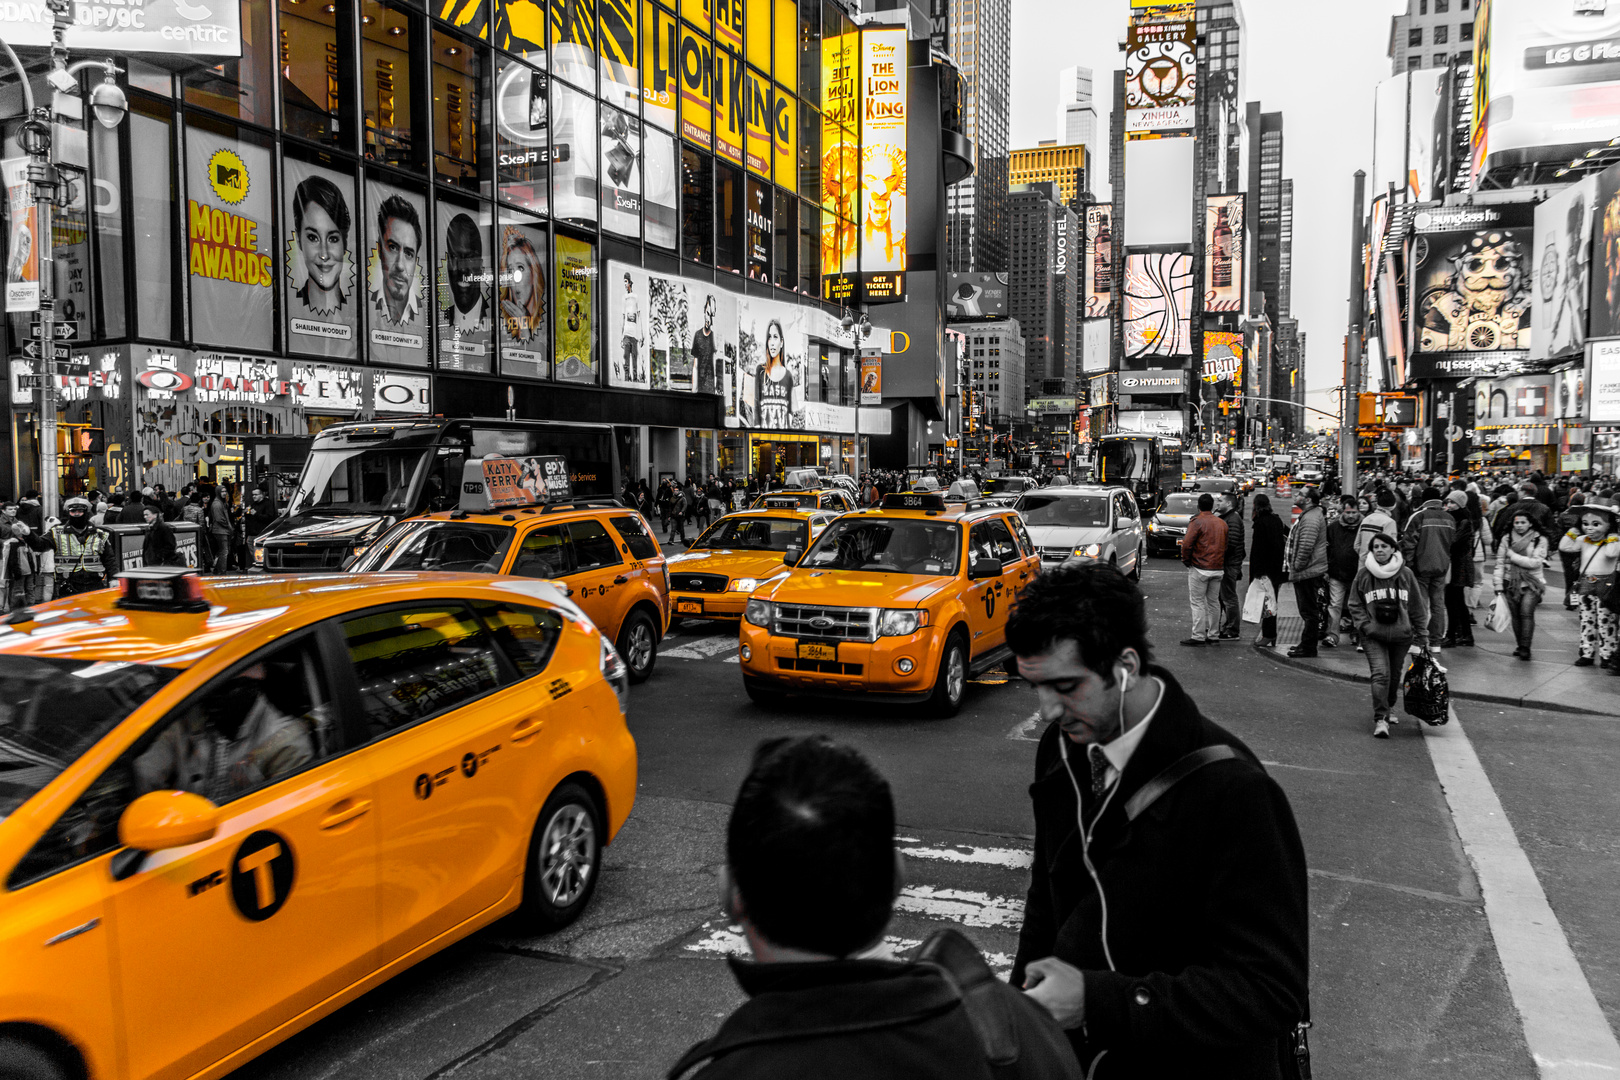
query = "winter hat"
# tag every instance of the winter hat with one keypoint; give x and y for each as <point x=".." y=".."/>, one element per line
<point x="1386" y="498"/>
<point x="1457" y="499"/>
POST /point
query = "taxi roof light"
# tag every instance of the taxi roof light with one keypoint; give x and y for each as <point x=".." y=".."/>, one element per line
<point x="161" y="588"/>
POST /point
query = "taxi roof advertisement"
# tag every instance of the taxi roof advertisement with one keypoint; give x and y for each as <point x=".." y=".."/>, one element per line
<point x="172" y="27"/>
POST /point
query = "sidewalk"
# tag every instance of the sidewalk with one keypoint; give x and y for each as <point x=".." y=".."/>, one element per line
<point x="1487" y="672"/>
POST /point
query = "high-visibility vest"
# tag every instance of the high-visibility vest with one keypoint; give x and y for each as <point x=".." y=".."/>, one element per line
<point x="76" y="556"/>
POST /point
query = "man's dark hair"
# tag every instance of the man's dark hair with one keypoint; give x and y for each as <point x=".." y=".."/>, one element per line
<point x="323" y="193"/>
<point x="396" y="207"/>
<point x="1206" y="501"/>
<point x="1349" y="501"/>
<point x="1313" y="496"/>
<point x="1386" y="498"/>
<point x="1091" y="604"/>
<point x="1459" y="485"/>
<point x="811" y="846"/>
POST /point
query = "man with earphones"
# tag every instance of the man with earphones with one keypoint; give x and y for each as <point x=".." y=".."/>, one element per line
<point x="1166" y="926"/>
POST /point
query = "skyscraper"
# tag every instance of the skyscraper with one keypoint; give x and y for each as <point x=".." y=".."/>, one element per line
<point x="1042" y="279"/>
<point x="1430" y="33"/>
<point x="1220" y="115"/>
<point x="1271" y="198"/>
<point x="1077" y="112"/>
<point x="981" y="45"/>
<point x="1065" y="166"/>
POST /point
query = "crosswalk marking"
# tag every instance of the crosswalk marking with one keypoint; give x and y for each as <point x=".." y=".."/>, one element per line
<point x="729" y="941"/>
<point x="1011" y="858"/>
<point x="968" y="907"/>
<point x="700" y="648"/>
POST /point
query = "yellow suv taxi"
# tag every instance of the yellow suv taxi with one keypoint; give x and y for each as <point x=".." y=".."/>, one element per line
<point x="905" y="602"/>
<point x="229" y="806"/>
<point x="601" y="551"/>
<point x="712" y="578"/>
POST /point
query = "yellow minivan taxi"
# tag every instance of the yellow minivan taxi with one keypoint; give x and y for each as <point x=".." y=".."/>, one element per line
<point x="712" y="578"/>
<point x="229" y="806"/>
<point x="904" y="603"/>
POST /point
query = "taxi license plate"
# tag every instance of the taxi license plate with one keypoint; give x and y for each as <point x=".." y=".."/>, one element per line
<point x="815" y="650"/>
<point x="689" y="607"/>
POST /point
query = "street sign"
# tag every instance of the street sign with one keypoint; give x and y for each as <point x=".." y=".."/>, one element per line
<point x="41" y="350"/>
<point x="62" y="331"/>
<point x="31" y="382"/>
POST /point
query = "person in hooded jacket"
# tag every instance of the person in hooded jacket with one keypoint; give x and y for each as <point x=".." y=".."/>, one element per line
<point x="1391" y="613"/>
<point x="1266" y="559"/>
<point x="1519" y="578"/>
<point x="1426" y="543"/>
<point x="1459" y="623"/>
<point x="1308" y="567"/>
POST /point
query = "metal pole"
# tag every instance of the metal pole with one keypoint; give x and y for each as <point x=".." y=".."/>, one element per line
<point x="1350" y="399"/>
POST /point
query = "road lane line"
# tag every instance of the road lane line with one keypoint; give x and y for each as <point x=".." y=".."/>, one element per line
<point x="965" y="906"/>
<point x="729" y="941"/>
<point x="1565" y="1030"/>
<point x="1011" y="858"/>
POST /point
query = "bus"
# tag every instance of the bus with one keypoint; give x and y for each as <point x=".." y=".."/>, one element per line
<point x="1196" y="463"/>
<point x="362" y="477"/>
<point x="1146" y="464"/>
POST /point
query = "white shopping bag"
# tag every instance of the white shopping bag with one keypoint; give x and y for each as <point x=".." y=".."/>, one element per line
<point x="1500" y="620"/>
<point x="1260" y="597"/>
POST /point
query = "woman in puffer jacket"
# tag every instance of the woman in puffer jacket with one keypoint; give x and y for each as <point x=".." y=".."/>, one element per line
<point x="1596" y="550"/>
<point x="1519" y="578"/>
<point x="1391" y="612"/>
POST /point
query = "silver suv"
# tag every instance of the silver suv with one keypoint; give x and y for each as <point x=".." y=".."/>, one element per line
<point x="1089" y="522"/>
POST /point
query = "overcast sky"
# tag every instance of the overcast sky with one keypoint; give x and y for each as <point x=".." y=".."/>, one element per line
<point x="1315" y="61"/>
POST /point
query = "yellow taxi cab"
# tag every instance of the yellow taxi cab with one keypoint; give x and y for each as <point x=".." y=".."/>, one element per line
<point x="229" y="806"/>
<point x="603" y="552"/>
<point x="827" y="498"/>
<point x="905" y="603"/>
<point x="712" y="578"/>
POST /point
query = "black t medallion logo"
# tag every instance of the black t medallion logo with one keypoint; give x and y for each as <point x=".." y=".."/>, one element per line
<point x="261" y="875"/>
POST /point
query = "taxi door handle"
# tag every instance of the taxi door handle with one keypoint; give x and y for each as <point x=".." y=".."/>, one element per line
<point x="620" y="580"/>
<point x="527" y="728"/>
<point x="345" y="811"/>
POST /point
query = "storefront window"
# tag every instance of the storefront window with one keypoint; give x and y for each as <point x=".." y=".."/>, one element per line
<point x="244" y="87"/>
<point x="760" y="232"/>
<point x="620" y="170"/>
<point x="523" y="292"/>
<point x="386" y="42"/>
<point x="660" y="78"/>
<point x="809" y="249"/>
<point x="573" y="42"/>
<point x="574" y="163"/>
<point x="661" y="201"/>
<point x="697" y="207"/>
<point x="460" y="87"/>
<point x="809" y="152"/>
<point x="522" y="132"/>
<point x="574" y="291"/>
<point x="520" y="27"/>
<point x="149" y="77"/>
<point x="616" y="44"/>
<point x="699" y="454"/>
<point x="152" y="177"/>
<point x="315" y="72"/>
<point x="109" y="225"/>
<point x="728" y="200"/>
<point x="785" y="262"/>
<point x="465" y="300"/>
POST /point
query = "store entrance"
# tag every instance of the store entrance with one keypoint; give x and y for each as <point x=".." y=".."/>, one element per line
<point x="775" y="455"/>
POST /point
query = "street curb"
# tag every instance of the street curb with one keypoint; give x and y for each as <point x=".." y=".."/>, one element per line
<point x="1465" y="695"/>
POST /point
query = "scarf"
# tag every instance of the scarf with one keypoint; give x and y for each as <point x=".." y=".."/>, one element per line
<point x="1383" y="571"/>
<point x="1519" y="578"/>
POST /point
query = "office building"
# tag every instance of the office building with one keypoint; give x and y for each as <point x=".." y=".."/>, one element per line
<point x="1271" y="199"/>
<point x="1077" y="122"/>
<point x="1220" y="97"/>
<point x="981" y="46"/>
<point x="1430" y="33"/>
<point x="995" y="365"/>
<point x="1042" y="279"/>
<point x="1065" y="166"/>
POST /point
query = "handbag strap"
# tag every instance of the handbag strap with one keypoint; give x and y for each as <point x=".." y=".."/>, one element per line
<point x="1174" y="773"/>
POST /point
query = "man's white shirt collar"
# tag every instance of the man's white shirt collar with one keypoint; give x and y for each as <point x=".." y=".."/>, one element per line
<point x="1119" y="751"/>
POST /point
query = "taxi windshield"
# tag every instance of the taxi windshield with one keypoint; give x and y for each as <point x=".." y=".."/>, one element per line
<point x="755" y="534"/>
<point x="1181" y="503"/>
<point x="804" y="499"/>
<point x="887" y="545"/>
<point x="1004" y="485"/>
<point x="364" y="481"/>
<point x="52" y="711"/>
<point x="1083" y="511"/>
<point x="429" y="544"/>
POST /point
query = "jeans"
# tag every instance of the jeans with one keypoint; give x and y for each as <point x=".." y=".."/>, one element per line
<point x="1308" y="593"/>
<point x="1231" y="609"/>
<point x="220" y="551"/>
<point x="1523" y="610"/>
<point x="1457" y="613"/>
<point x="1434" y="587"/>
<point x="1386" y="663"/>
<point x="1338" y="592"/>
<point x="1204" y="594"/>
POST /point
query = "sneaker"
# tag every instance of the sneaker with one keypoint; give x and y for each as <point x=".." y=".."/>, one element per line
<point x="1301" y="652"/>
<point x="1193" y="641"/>
<point x="1330" y="642"/>
<point x="1583" y="661"/>
<point x="1265" y="643"/>
<point x="1380" y="728"/>
<point x="1360" y="647"/>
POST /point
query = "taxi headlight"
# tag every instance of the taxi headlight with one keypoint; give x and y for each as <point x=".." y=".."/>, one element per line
<point x="258" y="554"/>
<point x="1153" y="526"/>
<point x="744" y="584"/>
<point x="759" y="612"/>
<point x="901" y="622"/>
<point x="615" y="672"/>
<point x="1089" y="551"/>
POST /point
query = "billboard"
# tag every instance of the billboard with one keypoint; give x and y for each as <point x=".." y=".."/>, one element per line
<point x="1515" y="399"/>
<point x="1151" y="421"/>
<point x="573" y="281"/>
<point x="525" y="333"/>
<point x="171" y="27"/>
<point x="322" y="308"/>
<point x="1470" y="279"/>
<point x="230" y="260"/>
<point x="1563" y="232"/>
<point x="1161" y="76"/>
<point x="883" y="149"/>
<point x="1159" y="191"/>
<point x="1158" y="305"/>
<point x="1223" y="253"/>
<point x="22" y="269"/>
<point x="1097" y="344"/>
<point x="464" y="310"/>
<point x="1223" y="358"/>
<point x="1099" y="281"/>
<point x="1603" y="381"/>
<point x="1605" y="295"/>
<point x="396" y="275"/>
<point x="975" y="296"/>
<point x="1553" y="80"/>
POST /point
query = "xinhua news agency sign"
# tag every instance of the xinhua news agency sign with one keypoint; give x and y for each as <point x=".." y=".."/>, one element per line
<point x="172" y="27"/>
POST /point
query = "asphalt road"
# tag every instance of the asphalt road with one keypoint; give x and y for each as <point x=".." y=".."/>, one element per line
<point x="1410" y="923"/>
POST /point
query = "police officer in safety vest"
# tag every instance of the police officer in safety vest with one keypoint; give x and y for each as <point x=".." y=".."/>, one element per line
<point x="85" y="558"/>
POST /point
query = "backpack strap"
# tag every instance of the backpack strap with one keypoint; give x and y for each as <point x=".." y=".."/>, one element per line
<point x="990" y="1015"/>
<point x="1173" y="774"/>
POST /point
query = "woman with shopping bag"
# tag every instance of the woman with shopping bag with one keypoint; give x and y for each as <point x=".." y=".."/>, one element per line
<point x="1391" y="613"/>
<point x="1266" y="562"/>
<point x="1519" y="580"/>
<point x="1596" y="549"/>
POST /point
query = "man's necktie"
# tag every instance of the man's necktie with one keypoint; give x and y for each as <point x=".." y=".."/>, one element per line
<point x="1099" y="773"/>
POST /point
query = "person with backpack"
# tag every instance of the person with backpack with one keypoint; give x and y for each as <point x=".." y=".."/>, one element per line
<point x="1519" y="578"/>
<point x="812" y="874"/>
<point x="1391" y="613"/>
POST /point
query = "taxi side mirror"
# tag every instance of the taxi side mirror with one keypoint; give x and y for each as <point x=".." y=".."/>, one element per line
<point x="984" y="568"/>
<point x="166" y="819"/>
<point x="791" y="556"/>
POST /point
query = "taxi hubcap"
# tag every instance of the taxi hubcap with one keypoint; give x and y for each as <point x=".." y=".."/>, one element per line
<point x="955" y="675"/>
<point x="567" y="855"/>
<point x="641" y="645"/>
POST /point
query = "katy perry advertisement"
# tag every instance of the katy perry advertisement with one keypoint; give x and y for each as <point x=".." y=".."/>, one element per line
<point x="322" y="301"/>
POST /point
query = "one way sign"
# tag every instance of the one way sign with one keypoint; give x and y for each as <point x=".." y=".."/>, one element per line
<point x="62" y="331"/>
<point x="40" y="350"/>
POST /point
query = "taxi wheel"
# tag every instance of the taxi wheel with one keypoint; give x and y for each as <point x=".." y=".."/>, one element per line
<point x="565" y="857"/>
<point x="638" y="644"/>
<point x="24" y="1060"/>
<point x="951" y="684"/>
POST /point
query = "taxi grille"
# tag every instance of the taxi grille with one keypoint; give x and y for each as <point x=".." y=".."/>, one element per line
<point x="711" y="583"/>
<point x="833" y="623"/>
<point x="296" y="558"/>
<point x="824" y="667"/>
